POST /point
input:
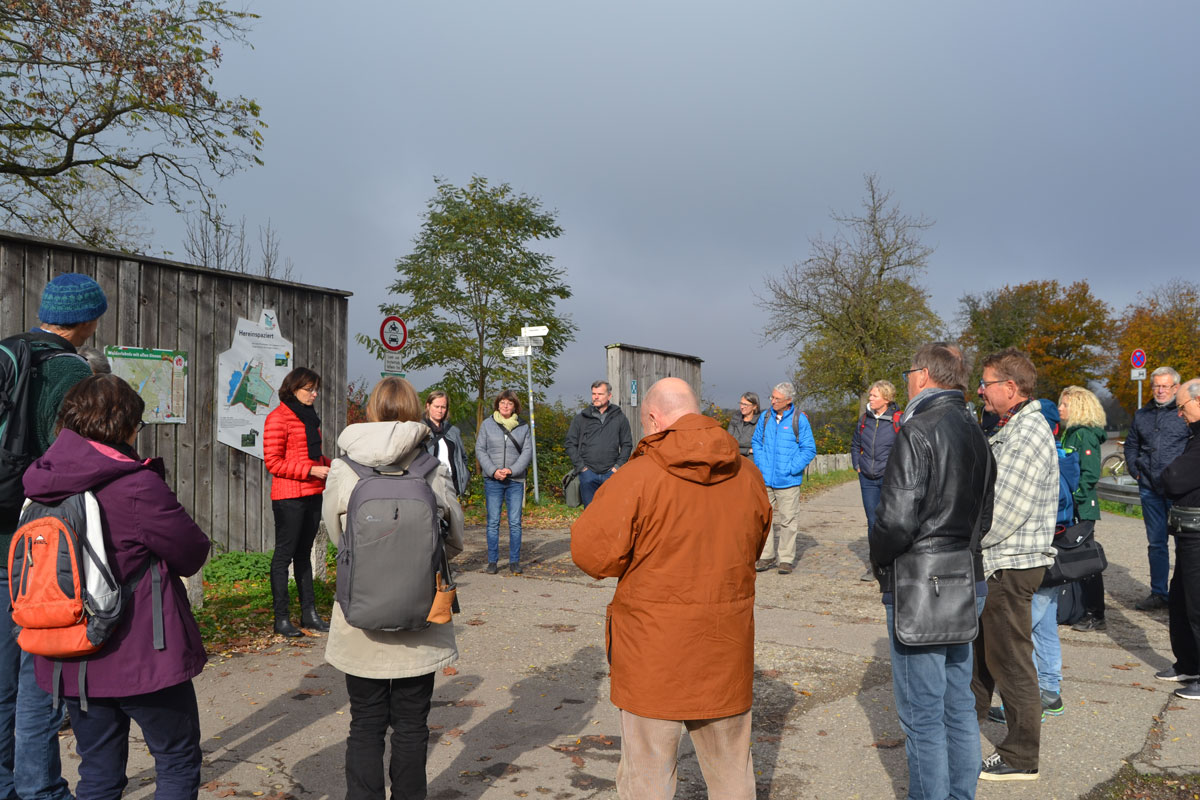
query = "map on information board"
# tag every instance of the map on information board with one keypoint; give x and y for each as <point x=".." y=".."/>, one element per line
<point x="248" y="377"/>
<point x="159" y="376"/>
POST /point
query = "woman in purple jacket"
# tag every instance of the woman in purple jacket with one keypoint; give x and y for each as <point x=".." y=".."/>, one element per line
<point x="131" y="677"/>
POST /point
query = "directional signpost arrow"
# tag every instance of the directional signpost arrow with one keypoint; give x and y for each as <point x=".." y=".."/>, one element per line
<point x="517" y="351"/>
<point x="535" y="330"/>
<point x="536" y="341"/>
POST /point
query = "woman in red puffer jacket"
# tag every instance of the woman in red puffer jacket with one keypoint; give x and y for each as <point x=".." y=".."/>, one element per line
<point x="292" y="452"/>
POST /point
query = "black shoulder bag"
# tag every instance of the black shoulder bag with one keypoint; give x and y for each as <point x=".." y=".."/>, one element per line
<point x="934" y="593"/>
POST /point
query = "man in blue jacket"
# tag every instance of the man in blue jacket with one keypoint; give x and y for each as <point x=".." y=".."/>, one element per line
<point x="1156" y="438"/>
<point x="783" y="447"/>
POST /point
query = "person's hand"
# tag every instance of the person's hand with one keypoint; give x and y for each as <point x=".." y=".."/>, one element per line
<point x="318" y="472"/>
<point x="614" y="469"/>
<point x="502" y="473"/>
<point x="584" y="469"/>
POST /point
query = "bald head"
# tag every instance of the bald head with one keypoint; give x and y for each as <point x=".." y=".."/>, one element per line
<point x="667" y="401"/>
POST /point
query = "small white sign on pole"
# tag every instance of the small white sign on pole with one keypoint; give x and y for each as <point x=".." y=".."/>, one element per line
<point x="1137" y="374"/>
<point x="535" y="330"/>
<point x="535" y="341"/>
<point x="517" y="351"/>
<point x="393" y="363"/>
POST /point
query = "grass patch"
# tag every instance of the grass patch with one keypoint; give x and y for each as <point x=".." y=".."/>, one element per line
<point x="1123" y="509"/>
<point x="1130" y="784"/>
<point x="816" y="484"/>
<point x="237" y="613"/>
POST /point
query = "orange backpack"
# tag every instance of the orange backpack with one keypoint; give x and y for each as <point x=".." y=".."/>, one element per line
<point x="65" y="601"/>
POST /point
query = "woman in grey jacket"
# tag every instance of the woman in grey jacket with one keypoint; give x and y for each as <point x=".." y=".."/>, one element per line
<point x="504" y="452"/>
<point x="389" y="674"/>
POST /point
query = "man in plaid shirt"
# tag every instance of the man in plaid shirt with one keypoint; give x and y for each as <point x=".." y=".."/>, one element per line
<point x="1016" y="552"/>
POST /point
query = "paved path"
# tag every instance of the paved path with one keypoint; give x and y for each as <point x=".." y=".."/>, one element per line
<point x="526" y="714"/>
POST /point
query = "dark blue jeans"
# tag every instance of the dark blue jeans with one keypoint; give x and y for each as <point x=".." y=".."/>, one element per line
<point x="30" y="768"/>
<point x="937" y="712"/>
<point x="589" y="482"/>
<point x="170" y="723"/>
<point x="512" y="494"/>
<point x="1154" y="514"/>
<point x="870" y="488"/>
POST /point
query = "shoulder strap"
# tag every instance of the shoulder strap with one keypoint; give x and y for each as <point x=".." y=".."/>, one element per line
<point x="511" y="438"/>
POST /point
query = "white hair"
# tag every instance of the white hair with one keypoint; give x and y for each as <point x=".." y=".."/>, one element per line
<point x="1165" y="371"/>
<point x="786" y="389"/>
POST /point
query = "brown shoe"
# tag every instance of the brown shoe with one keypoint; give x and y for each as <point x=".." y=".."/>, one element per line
<point x="785" y="568"/>
<point x="763" y="564"/>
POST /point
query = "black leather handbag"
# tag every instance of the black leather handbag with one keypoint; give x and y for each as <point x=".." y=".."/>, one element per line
<point x="935" y="598"/>
<point x="1079" y="555"/>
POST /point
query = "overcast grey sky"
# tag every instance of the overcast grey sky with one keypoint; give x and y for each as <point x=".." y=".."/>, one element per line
<point x="692" y="148"/>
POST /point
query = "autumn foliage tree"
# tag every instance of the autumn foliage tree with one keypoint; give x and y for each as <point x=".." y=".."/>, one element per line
<point x="1065" y="330"/>
<point x="1166" y="324"/>
<point x="116" y="91"/>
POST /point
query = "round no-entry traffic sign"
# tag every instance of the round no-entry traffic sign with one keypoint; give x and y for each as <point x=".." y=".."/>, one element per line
<point x="1138" y="358"/>
<point x="393" y="333"/>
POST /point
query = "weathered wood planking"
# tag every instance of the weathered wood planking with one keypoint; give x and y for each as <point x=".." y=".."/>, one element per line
<point x="164" y="304"/>
<point x="626" y="363"/>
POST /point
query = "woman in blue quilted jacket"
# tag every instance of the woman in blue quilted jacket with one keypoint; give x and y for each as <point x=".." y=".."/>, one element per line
<point x="870" y="446"/>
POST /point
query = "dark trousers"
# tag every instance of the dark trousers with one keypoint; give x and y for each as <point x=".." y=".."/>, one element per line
<point x="375" y="705"/>
<point x="1004" y="662"/>
<point x="1183" y="604"/>
<point x="296" y="522"/>
<point x="170" y="723"/>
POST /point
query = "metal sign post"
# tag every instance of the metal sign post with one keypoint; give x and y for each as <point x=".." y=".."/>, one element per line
<point x="531" y="337"/>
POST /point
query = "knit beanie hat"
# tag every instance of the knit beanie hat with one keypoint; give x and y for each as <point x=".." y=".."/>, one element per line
<point x="72" y="298"/>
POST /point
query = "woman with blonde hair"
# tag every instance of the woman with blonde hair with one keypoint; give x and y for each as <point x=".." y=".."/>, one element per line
<point x="871" y="445"/>
<point x="1083" y="421"/>
<point x="389" y="674"/>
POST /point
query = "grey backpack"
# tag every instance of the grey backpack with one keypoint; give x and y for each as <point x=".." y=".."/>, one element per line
<point x="391" y="548"/>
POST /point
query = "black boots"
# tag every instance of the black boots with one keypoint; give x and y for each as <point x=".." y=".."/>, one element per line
<point x="284" y="627"/>
<point x="310" y="620"/>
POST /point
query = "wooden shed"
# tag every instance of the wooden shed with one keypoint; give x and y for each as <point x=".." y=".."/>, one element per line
<point x="632" y="370"/>
<point x="162" y="304"/>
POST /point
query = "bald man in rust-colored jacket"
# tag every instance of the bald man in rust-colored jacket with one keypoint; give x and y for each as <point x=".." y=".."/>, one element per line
<point x="680" y="526"/>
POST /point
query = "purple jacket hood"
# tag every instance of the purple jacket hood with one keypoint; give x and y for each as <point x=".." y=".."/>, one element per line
<point x="74" y="464"/>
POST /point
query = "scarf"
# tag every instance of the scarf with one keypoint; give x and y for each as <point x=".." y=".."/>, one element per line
<point x="1007" y="415"/>
<point x="509" y="424"/>
<point x="312" y="426"/>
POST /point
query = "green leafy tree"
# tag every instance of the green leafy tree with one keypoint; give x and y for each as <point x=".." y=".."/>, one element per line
<point x="116" y="93"/>
<point x="1065" y="330"/>
<point x="854" y="311"/>
<point x="472" y="282"/>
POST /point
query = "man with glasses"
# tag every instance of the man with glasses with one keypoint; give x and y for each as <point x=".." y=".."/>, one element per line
<point x="936" y="492"/>
<point x="1181" y="482"/>
<point x="1016" y="552"/>
<point x="1156" y="438"/>
<point x="783" y="446"/>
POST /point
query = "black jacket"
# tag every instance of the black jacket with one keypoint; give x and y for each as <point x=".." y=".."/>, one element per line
<point x="599" y="443"/>
<point x="1156" y="438"/>
<point x="1181" y="479"/>
<point x="938" y="483"/>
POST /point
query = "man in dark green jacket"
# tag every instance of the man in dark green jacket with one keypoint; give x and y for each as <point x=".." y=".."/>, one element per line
<point x="29" y="757"/>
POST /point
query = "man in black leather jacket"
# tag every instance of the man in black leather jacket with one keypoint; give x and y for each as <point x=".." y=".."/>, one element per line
<point x="937" y="492"/>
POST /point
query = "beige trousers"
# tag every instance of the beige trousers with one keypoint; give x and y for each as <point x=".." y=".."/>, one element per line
<point x="650" y="750"/>
<point x="786" y="505"/>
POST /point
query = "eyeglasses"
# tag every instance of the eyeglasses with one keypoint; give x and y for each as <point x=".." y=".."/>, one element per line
<point x="904" y="375"/>
<point x="984" y="384"/>
<point x="141" y="424"/>
<point x="1183" y="405"/>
